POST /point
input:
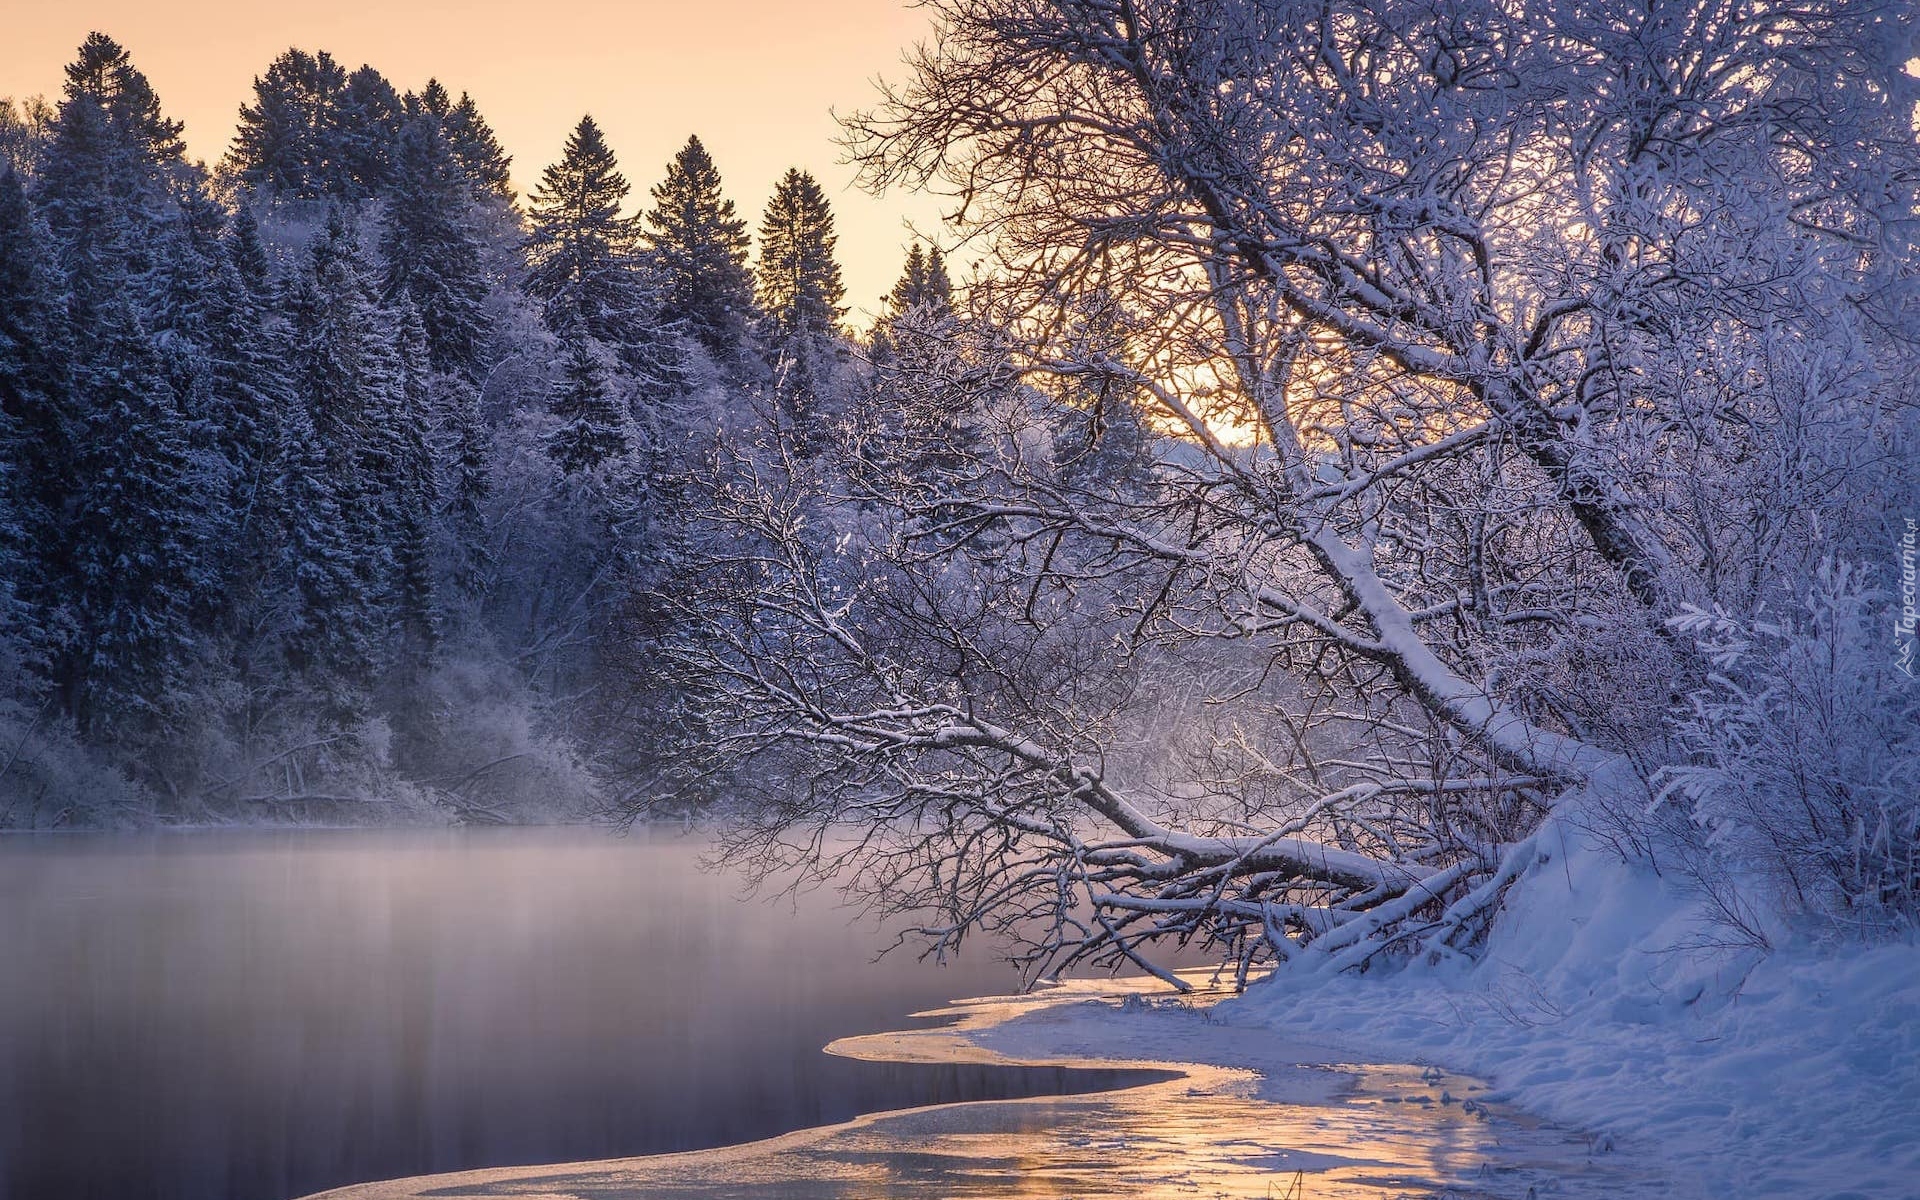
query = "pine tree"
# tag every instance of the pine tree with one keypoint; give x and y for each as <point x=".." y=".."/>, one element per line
<point x="931" y="371"/>
<point x="470" y="138"/>
<point x="919" y="305"/>
<point x="345" y="374"/>
<point x="104" y="72"/>
<point x="248" y="253"/>
<point x="196" y="334"/>
<point x="133" y="537"/>
<point x="700" y="250"/>
<point x="247" y="357"/>
<point x="431" y="100"/>
<point x="331" y="638"/>
<point x="591" y="427"/>
<point x="127" y="541"/>
<point x="97" y="196"/>
<point x="466" y="483"/>
<point x="412" y="497"/>
<point x="581" y="261"/>
<point x="33" y="329"/>
<point x="433" y="257"/>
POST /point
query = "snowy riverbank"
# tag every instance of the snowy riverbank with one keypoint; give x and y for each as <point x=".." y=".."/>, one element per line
<point x="1794" y="1074"/>
<point x="1659" y="1071"/>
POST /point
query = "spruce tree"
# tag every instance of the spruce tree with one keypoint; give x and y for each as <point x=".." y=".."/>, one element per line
<point x="797" y="280"/>
<point x="433" y="100"/>
<point x="433" y="257"/>
<point x="287" y="142"/>
<point x="466" y="481"/>
<point x="103" y="72"/>
<point x="36" y="434"/>
<point x="345" y="373"/>
<point x="133" y="536"/>
<point x="919" y="304"/>
<point x="248" y="253"/>
<point x="129" y="536"/>
<point x="367" y="118"/>
<point x="930" y="373"/>
<point x="487" y="166"/>
<point x="98" y="197"/>
<point x="196" y="336"/>
<point x="331" y="636"/>
<point x="799" y="291"/>
<point x="581" y="260"/>
<point x="591" y="427"/>
<point x="247" y="356"/>
<point x="923" y="283"/>
<point x="33" y="329"/>
<point x="470" y="138"/>
<point x="700" y="251"/>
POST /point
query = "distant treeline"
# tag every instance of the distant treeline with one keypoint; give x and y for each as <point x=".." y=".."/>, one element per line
<point x="339" y="474"/>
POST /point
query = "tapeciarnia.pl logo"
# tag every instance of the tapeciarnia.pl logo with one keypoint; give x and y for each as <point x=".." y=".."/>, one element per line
<point x="1903" y="628"/>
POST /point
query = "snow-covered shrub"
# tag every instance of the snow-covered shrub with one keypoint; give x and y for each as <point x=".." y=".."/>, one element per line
<point x="49" y="780"/>
<point x="483" y="746"/>
<point x="1802" y="757"/>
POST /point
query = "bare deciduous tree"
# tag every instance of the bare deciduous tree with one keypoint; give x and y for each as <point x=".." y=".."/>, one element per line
<point x="1474" y="339"/>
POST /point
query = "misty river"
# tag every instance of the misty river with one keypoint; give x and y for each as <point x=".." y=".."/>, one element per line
<point x="258" y="1015"/>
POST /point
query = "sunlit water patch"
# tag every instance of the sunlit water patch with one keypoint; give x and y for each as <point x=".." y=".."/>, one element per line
<point x="1278" y="1129"/>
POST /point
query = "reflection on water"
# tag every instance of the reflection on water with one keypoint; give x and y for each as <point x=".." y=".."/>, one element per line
<point x="1286" y="1131"/>
<point x="263" y="1015"/>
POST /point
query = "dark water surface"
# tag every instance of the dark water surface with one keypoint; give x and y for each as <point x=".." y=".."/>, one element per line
<point x="262" y="1015"/>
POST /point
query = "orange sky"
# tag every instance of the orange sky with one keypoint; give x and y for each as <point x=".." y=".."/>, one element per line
<point x="756" y="79"/>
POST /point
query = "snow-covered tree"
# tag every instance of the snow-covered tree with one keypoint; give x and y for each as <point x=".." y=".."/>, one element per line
<point x="470" y="139"/>
<point x="592" y="427"/>
<point x="1451" y="324"/>
<point x="798" y="288"/>
<point x="103" y="72"/>
<point x="433" y="258"/>
<point x="797" y="279"/>
<point x="288" y="141"/>
<point x="700" y="251"/>
<point x="923" y="283"/>
<point x="366" y="122"/>
<point x="582" y="260"/>
<point x="346" y="375"/>
<point x="35" y="443"/>
<point x="487" y="166"/>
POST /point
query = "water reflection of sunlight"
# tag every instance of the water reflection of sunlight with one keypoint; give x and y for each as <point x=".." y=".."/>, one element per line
<point x="1315" y="1130"/>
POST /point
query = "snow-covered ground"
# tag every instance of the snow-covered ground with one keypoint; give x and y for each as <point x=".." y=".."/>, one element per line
<point x="1795" y="1074"/>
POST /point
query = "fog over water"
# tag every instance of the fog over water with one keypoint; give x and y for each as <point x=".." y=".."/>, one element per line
<point x="260" y="1015"/>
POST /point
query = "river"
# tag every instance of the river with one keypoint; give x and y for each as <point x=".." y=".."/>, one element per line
<point x="257" y="1015"/>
